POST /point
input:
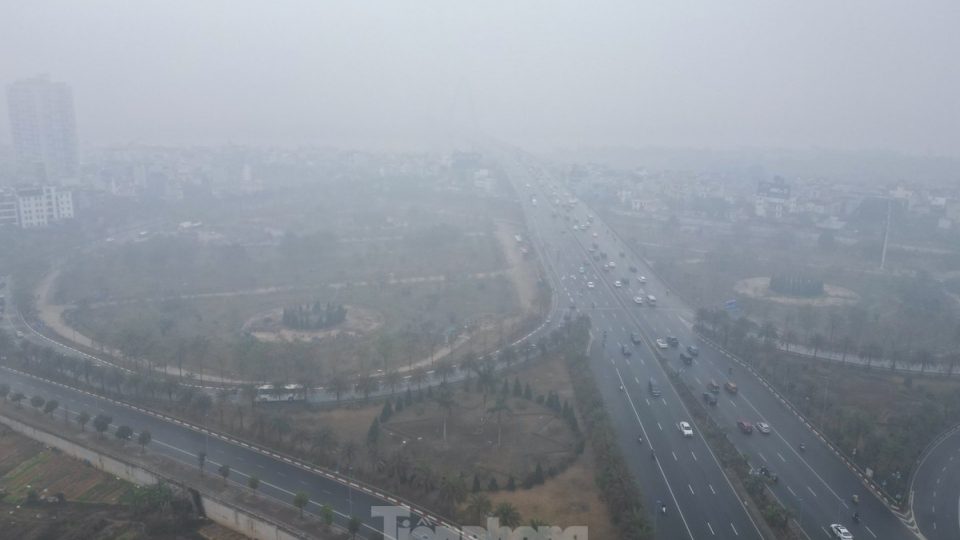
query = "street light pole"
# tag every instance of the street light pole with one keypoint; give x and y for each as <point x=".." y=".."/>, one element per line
<point x="840" y="502"/>
<point x="800" y="521"/>
<point x="350" y="488"/>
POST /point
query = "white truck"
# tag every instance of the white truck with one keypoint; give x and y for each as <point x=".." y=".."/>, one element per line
<point x="651" y="299"/>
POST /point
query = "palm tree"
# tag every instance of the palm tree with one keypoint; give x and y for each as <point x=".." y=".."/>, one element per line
<point x="453" y="491"/>
<point x="366" y="385"/>
<point x="924" y="358"/>
<point x="323" y="442"/>
<point x="479" y="507"/>
<point x="870" y="352"/>
<point x="444" y="370"/>
<point x="418" y="377"/>
<point x="501" y="406"/>
<point x="397" y="468"/>
<point x="392" y="380"/>
<point x="817" y="342"/>
<point x="846" y="343"/>
<point x="444" y="399"/>
<point x="424" y="478"/>
<point x="768" y="332"/>
<point x="788" y="338"/>
<point x="338" y="386"/>
<point x="223" y="399"/>
<point x="507" y="514"/>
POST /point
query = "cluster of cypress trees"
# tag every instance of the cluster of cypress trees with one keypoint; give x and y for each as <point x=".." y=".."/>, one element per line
<point x="314" y="317"/>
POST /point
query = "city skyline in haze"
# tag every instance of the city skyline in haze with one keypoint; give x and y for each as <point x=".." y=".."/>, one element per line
<point x="850" y="76"/>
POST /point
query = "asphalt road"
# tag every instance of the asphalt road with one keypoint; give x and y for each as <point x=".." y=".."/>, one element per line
<point x="936" y="489"/>
<point x="279" y="478"/>
<point x="814" y="482"/>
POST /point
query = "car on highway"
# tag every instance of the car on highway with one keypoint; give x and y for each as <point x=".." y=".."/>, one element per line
<point x="713" y="387"/>
<point x="643" y="279"/>
<point x="744" y="426"/>
<point x="625" y="280"/>
<point x="635" y="337"/>
<point x="617" y="284"/>
<point x="582" y="270"/>
<point x="638" y="300"/>
<point x="686" y="429"/>
<point x="710" y="398"/>
<point x="673" y="341"/>
<point x="625" y="349"/>
<point x="840" y="532"/>
<point x="590" y="285"/>
<point x="613" y="264"/>
<point x="731" y="387"/>
<point x="576" y="228"/>
<point x="763" y="427"/>
<point x="622" y="254"/>
<point x="632" y="268"/>
<point x="662" y="344"/>
<point x="594" y="235"/>
<point x="693" y="350"/>
<point x="686" y="359"/>
<point x="766" y="472"/>
<point x="19" y="334"/>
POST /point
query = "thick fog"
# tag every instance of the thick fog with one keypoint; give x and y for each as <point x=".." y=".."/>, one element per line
<point x="848" y="75"/>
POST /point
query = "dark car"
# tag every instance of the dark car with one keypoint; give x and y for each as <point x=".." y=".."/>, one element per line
<point x="622" y="254"/>
<point x="686" y="359"/>
<point x="710" y="398"/>
<point x="744" y="426"/>
<point x="693" y="350"/>
<point x="626" y="350"/>
<point x="632" y="269"/>
<point x="672" y="341"/>
<point x="769" y="474"/>
<point x="635" y="337"/>
<point x="625" y="280"/>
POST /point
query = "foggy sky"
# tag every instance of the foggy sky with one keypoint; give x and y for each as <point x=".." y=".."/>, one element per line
<point x="842" y="74"/>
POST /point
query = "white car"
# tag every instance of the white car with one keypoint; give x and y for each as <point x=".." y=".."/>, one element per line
<point x="617" y="284"/>
<point x="638" y="300"/>
<point x="840" y="532"/>
<point x="589" y="284"/>
<point x="19" y="333"/>
<point x="643" y="279"/>
<point x="613" y="264"/>
<point x="763" y="427"/>
<point x="686" y="429"/>
<point x="576" y="228"/>
<point x="662" y="344"/>
<point x="594" y="235"/>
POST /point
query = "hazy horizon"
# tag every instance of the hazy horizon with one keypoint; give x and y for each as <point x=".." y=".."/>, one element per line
<point x="848" y="76"/>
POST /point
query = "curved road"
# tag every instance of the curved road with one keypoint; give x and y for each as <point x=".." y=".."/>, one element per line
<point x="936" y="490"/>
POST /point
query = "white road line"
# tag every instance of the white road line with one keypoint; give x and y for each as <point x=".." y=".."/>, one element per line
<point x="711" y="491"/>
<point x="781" y="457"/>
<point x="691" y="489"/>
<point x="694" y="456"/>
<point x="734" y="530"/>
<point x="811" y="491"/>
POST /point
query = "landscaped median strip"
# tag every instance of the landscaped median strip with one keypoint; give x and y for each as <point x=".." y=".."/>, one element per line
<point x="336" y="477"/>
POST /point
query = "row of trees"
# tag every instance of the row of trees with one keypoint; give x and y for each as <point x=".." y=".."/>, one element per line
<point x="314" y="317"/>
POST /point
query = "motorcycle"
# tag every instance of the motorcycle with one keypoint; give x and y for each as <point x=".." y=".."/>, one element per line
<point x="621" y="388"/>
<point x="653" y="454"/>
<point x="856" y="517"/>
<point x="640" y="440"/>
<point x="855" y="499"/>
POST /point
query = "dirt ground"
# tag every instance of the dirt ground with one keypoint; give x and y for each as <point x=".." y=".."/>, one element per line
<point x="92" y="508"/>
<point x="759" y="287"/>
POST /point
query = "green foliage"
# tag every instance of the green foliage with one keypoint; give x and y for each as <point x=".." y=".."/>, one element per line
<point x="124" y="434"/>
<point x="101" y="423"/>
<point x="527" y="392"/>
<point x="253" y="482"/>
<point x="511" y="483"/>
<point x="476" y="483"/>
<point x="301" y="499"/>
<point x="387" y="411"/>
<point x="353" y="526"/>
<point x="493" y="486"/>
<point x="326" y="515"/>
<point x="37" y="402"/>
<point x="373" y="433"/>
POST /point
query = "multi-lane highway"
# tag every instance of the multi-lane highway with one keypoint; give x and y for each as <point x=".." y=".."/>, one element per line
<point x="685" y="475"/>
<point x="936" y="491"/>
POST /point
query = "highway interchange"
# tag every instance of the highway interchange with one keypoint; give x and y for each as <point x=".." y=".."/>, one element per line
<point x="685" y="476"/>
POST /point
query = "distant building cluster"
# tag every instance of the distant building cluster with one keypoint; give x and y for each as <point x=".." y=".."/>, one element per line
<point x="44" y="130"/>
<point x="35" y="206"/>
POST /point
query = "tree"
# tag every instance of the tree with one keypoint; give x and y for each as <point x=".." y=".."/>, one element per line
<point x="281" y="426"/>
<point x="224" y="471"/>
<point x="4" y="391"/>
<point x="419" y="376"/>
<point x="366" y="385"/>
<point x="144" y="439"/>
<point x="51" y="406"/>
<point x="870" y="352"/>
<point x="326" y="515"/>
<point x="82" y="419"/>
<point x="253" y="482"/>
<point x="300" y="500"/>
<point x="37" y="402"/>
<point x="424" y="478"/>
<point x="486" y="381"/>
<point x="453" y="491"/>
<point x="499" y="407"/>
<point x="508" y="356"/>
<point x="124" y="434"/>
<point x="101" y="423"/>
<point x="817" y="343"/>
<point x="17" y="397"/>
<point x="444" y="370"/>
<point x="846" y="343"/>
<point x="478" y="507"/>
<point x="924" y="358"/>
<point x="201" y="460"/>
<point x="353" y="526"/>
<point x="445" y="402"/>
<point x="392" y="380"/>
<point x="507" y="514"/>
<point x="338" y="386"/>
<point x="373" y="433"/>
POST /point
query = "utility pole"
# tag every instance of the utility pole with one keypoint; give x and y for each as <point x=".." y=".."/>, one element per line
<point x="886" y="234"/>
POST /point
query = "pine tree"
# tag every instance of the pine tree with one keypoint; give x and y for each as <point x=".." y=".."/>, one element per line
<point x="493" y="486"/>
<point x="373" y="434"/>
<point x="408" y="398"/>
<point x="399" y="406"/>
<point x="511" y="484"/>
<point x="528" y="392"/>
<point x="538" y="477"/>
<point x="387" y="412"/>
<point x="517" y="389"/>
<point x="506" y="388"/>
<point x="476" y="483"/>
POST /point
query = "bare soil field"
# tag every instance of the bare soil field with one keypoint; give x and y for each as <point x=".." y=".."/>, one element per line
<point x="759" y="287"/>
<point x="267" y="326"/>
<point x="91" y="506"/>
